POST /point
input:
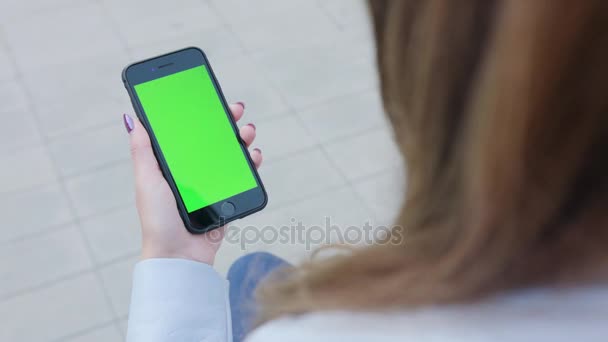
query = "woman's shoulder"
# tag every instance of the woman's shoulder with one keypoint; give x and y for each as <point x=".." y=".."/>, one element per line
<point x="533" y="315"/>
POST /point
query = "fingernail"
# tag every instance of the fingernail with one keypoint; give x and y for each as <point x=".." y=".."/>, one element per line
<point x="129" y="125"/>
<point x="242" y="104"/>
<point x="252" y="125"/>
<point x="257" y="149"/>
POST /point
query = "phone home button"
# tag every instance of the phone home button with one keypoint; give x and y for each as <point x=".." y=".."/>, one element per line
<point x="228" y="208"/>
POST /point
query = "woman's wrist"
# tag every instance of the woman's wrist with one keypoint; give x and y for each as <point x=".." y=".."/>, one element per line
<point x="202" y="256"/>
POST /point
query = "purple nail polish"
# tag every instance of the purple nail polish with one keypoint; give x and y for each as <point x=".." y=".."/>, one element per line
<point x="252" y="125"/>
<point x="242" y="104"/>
<point x="129" y="125"/>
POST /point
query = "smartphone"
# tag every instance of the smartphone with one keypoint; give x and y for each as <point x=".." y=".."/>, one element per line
<point x="195" y="139"/>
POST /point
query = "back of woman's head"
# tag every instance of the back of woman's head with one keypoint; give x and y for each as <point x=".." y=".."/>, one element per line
<point x="501" y="111"/>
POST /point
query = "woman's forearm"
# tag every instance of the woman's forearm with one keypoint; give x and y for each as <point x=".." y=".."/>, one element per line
<point x="178" y="300"/>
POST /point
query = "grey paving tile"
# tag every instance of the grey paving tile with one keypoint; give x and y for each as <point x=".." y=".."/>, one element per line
<point x="105" y="334"/>
<point x="10" y="9"/>
<point x="298" y="176"/>
<point x="61" y="118"/>
<point x="312" y="74"/>
<point x="51" y="313"/>
<point x="217" y="42"/>
<point x="281" y="30"/>
<point x="341" y="206"/>
<point x="348" y="115"/>
<point x="365" y="154"/>
<point x="18" y="129"/>
<point x="31" y="262"/>
<point x="8" y="71"/>
<point x="281" y="137"/>
<point x="101" y="190"/>
<point x="123" y="325"/>
<point x="158" y="20"/>
<point x="62" y="35"/>
<point x="12" y="96"/>
<point x="117" y="280"/>
<point x="226" y="255"/>
<point x="242" y="80"/>
<point x="26" y="168"/>
<point x="76" y="102"/>
<point x="384" y="194"/>
<point x="234" y="10"/>
<point x="350" y="15"/>
<point x="113" y="235"/>
<point x="34" y="210"/>
<point x="80" y="82"/>
<point x="89" y="149"/>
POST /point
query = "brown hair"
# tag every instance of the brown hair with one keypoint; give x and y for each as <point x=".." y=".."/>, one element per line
<point x="501" y="111"/>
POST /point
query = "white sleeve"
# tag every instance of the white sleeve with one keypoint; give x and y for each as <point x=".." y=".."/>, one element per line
<point x="178" y="300"/>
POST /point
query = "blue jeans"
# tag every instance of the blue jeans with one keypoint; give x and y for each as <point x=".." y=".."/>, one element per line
<point x="244" y="275"/>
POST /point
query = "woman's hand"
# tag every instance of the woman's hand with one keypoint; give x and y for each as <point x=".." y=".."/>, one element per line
<point x="163" y="231"/>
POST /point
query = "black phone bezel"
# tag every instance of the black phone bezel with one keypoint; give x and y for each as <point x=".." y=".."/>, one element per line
<point x="210" y="217"/>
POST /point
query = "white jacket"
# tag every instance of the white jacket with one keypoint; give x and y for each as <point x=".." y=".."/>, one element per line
<point x="186" y="301"/>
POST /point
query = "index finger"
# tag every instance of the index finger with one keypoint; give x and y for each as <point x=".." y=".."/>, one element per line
<point x="237" y="110"/>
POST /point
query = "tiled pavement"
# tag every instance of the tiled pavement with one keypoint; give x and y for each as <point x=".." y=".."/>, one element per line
<point x="68" y="228"/>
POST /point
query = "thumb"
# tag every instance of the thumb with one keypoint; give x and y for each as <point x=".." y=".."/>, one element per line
<point x="144" y="162"/>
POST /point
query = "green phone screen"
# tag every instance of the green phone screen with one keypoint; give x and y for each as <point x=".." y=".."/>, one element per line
<point x="195" y="137"/>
